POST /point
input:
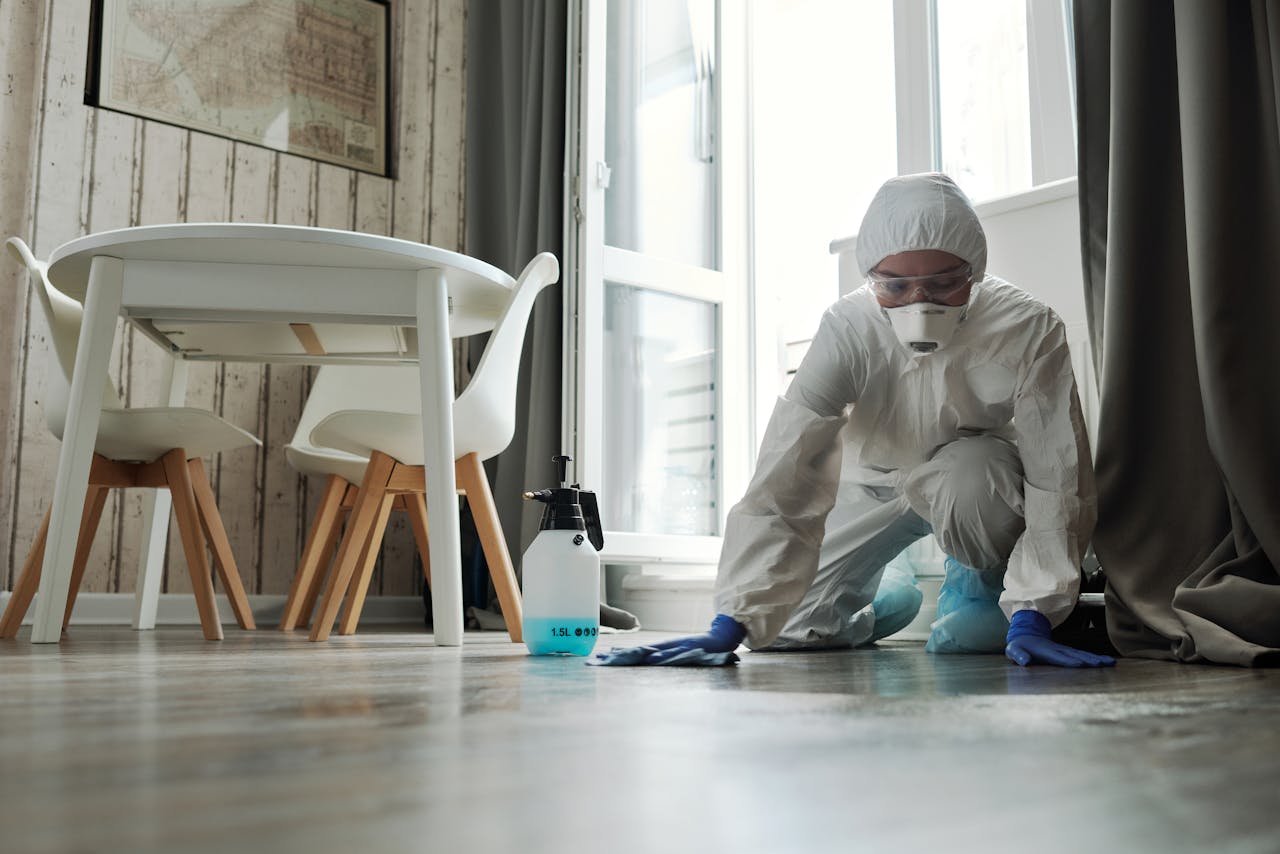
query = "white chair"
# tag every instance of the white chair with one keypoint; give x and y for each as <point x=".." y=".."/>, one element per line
<point x="337" y="388"/>
<point x="158" y="448"/>
<point x="371" y="417"/>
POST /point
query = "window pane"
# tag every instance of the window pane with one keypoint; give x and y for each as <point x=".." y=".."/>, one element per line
<point x="659" y="119"/>
<point x="660" y="451"/>
<point x="824" y="137"/>
<point x="985" y="113"/>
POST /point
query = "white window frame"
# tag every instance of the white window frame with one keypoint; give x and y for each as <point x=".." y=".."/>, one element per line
<point x="1053" y="118"/>
<point x="589" y="262"/>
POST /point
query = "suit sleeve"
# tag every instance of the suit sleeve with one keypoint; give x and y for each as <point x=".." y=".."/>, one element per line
<point x="773" y="535"/>
<point x="1060" y="500"/>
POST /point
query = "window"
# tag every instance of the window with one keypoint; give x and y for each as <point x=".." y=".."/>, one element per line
<point x="986" y="98"/>
<point x="984" y="110"/>
<point x="656" y="297"/>
<point x="695" y="123"/>
<point x="845" y="95"/>
<point x="824" y="138"/>
<point x="660" y="64"/>
<point x="662" y="365"/>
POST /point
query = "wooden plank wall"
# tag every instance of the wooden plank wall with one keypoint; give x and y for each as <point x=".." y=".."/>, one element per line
<point x="89" y="170"/>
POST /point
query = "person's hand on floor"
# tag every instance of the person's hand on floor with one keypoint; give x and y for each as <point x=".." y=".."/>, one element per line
<point x="1030" y="642"/>
<point x="713" y="648"/>
<point x="724" y="636"/>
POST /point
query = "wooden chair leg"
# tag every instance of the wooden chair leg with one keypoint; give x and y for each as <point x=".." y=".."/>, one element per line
<point x="364" y="570"/>
<point x="24" y="590"/>
<point x="95" y="499"/>
<point x="415" y="503"/>
<point x="368" y="504"/>
<point x="471" y="477"/>
<point x="321" y="533"/>
<point x="188" y="516"/>
<point x="216" y="534"/>
<point x="326" y="564"/>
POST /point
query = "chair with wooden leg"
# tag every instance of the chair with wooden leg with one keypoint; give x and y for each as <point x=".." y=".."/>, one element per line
<point x="156" y="448"/>
<point x="336" y="388"/>
<point x="382" y="422"/>
<point x="388" y="482"/>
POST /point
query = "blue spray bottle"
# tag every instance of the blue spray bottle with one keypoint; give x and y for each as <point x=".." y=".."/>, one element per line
<point x="561" y="572"/>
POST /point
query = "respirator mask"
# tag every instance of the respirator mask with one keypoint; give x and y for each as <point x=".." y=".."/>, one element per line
<point x="925" y="327"/>
<point x="917" y="310"/>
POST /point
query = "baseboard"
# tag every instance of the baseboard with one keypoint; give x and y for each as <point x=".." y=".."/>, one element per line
<point x="179" y="609"/>
<point x="683" y="604"/>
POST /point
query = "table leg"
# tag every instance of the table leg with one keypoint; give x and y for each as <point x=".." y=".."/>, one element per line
<point x="435" y="353"/>
<point x="156" y="507"/>
<point x="84" y="409"/>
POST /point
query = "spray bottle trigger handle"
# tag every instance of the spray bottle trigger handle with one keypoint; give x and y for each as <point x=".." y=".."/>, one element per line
<point x="591" y="517"/>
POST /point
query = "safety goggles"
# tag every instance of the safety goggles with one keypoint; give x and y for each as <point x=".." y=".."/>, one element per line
<point x="936" y="287"/>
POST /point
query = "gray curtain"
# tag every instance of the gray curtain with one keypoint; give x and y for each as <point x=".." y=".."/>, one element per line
<point x="514" y="203"/>
<point x="1180" y="215"/>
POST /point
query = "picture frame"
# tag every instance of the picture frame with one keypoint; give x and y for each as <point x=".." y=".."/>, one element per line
<point x="305" y="77"/>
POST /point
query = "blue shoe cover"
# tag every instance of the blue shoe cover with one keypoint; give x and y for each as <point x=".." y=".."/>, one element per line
<point x="962" y="584"/>
<point x="897" y="601"/>
<point x="969" y="615"/>
<point x="974" y="627"/>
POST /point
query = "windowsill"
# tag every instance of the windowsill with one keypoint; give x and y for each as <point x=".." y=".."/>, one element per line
<point x="623" y="547"/>
<point x="1041" y="195"/>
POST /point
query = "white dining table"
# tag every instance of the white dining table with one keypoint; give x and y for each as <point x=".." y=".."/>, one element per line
<point x="267" y="293"/>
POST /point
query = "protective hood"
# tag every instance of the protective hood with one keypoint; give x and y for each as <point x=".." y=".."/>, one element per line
<point x="924" y="211"/>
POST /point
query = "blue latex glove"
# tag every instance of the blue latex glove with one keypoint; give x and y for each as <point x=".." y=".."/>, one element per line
<point x="713" y="648"/>
<point x="1029" y="641"/>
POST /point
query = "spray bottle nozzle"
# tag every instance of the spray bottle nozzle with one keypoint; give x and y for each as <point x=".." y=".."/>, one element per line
<point x="569" y="507"/>
<point x="562" y="468"/>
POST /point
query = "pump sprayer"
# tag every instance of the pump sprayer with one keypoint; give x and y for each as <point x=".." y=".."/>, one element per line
<point x="561" y="573"/>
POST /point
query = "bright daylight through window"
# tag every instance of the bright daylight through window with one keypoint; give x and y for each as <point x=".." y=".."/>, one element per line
<point x="984" y="106"/>
<point x="824" y="138"/>
<point x="828" y="80"/>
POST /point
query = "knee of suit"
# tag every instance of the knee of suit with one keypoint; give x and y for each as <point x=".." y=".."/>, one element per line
<point x="971" y="494"/>
<point x="980" y="535"/>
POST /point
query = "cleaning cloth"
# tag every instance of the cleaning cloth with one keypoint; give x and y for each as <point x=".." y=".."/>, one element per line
<point x="637" y="655"/>
<point x="712" y="648"/>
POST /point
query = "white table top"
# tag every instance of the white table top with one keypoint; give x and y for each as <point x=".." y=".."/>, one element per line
<point x="178" y="254"/>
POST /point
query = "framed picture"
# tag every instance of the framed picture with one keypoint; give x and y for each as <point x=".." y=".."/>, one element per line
<point x="309" y="77"/>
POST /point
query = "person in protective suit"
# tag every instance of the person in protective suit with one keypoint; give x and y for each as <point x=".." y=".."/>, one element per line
<point x="936" y="399"/>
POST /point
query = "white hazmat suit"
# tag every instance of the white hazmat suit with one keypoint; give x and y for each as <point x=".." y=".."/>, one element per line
<point x="981" y="442"/>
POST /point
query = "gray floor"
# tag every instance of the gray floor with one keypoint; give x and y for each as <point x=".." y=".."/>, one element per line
<point x="123" y="741"/>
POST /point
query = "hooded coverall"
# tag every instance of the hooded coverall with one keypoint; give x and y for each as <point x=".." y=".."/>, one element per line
<point x="981" y="443"/>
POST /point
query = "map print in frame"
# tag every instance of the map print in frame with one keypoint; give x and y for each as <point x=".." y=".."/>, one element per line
<point x="308" y="77"/>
